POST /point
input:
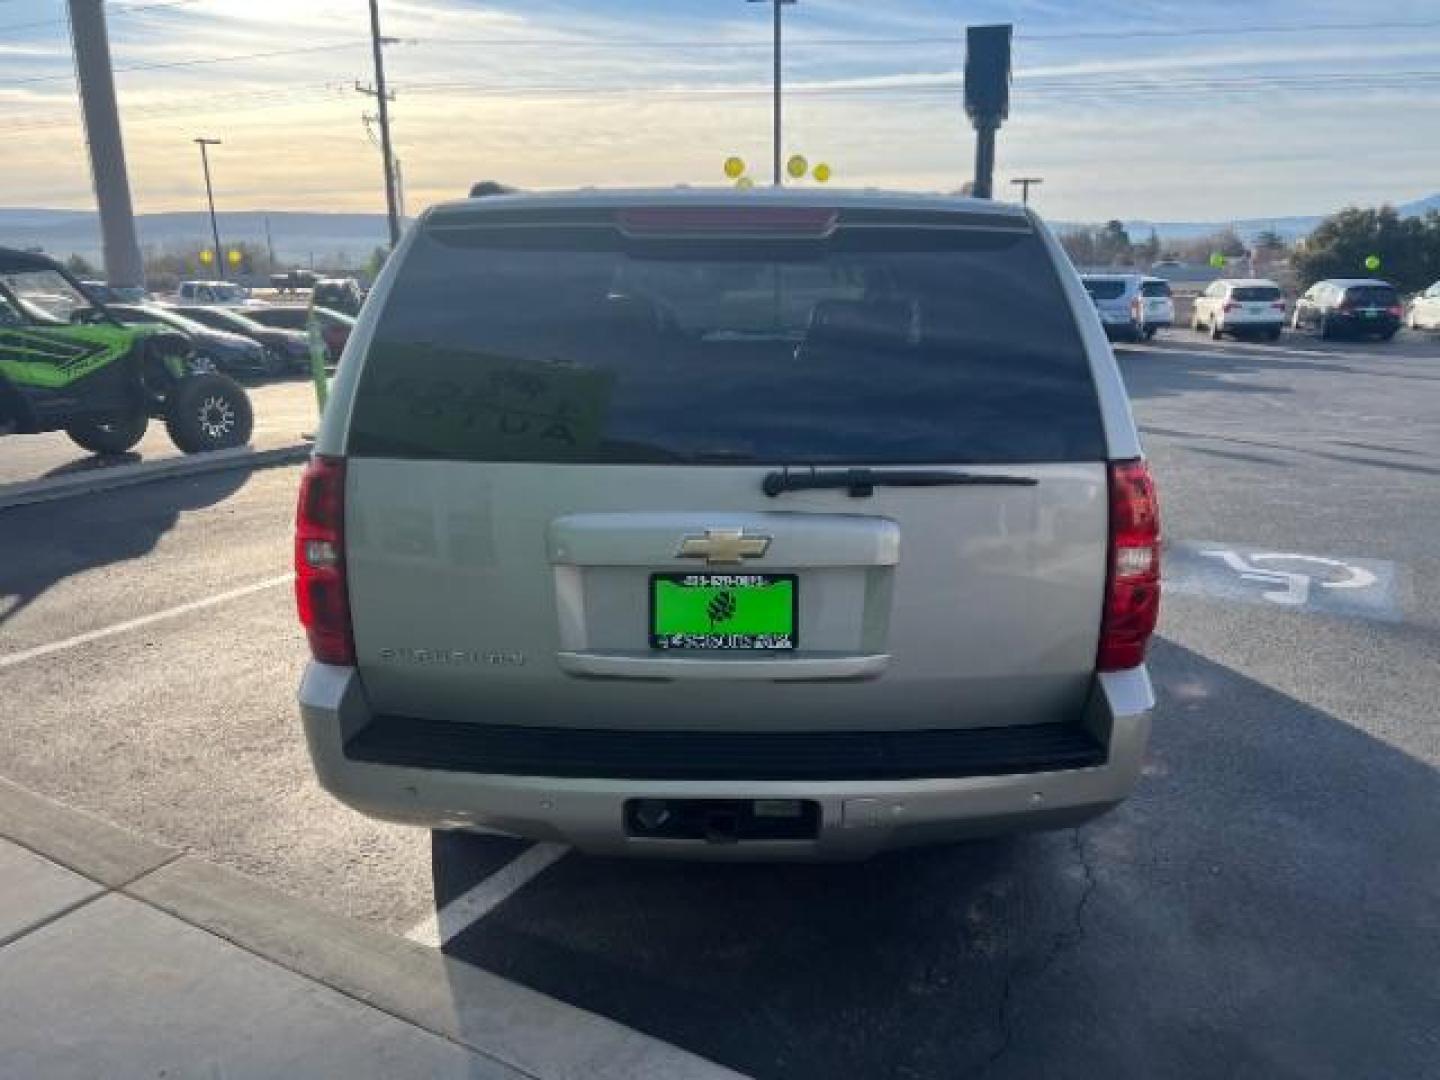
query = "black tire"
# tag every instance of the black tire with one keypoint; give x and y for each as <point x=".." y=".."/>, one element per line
<point x="1326" y="330"/>
<point x="208" y="412"/>
<point x="1388" y="335"/>
<point x="112" y="434"/>
<point x="1149" y="333"/>
<point x="1272" y="335"/>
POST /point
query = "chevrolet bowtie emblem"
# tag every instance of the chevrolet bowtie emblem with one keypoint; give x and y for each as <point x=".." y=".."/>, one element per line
<point x="723" y="546"/>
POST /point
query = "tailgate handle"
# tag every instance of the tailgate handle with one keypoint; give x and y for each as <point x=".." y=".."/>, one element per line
<point x="861" y="483"/>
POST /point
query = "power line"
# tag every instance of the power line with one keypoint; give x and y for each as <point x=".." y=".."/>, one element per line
<point x="204" y="60"/>
<point x="125" y="9"/>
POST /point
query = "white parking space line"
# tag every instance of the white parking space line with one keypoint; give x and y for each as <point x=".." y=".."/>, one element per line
<point x="478" y="901"/>
<point x="38" y="651"/>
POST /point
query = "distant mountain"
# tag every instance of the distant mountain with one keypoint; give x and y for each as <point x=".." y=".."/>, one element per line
<point x="297" y="236"/>
<point x="1289" y="227"/>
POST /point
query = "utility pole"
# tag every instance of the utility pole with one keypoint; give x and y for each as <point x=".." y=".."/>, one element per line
<point x="269" y="243"/>
<point x="776" y="134"/>
<point x="205" y="145"/>
<point x="123" y="264"/>
<point x="1026" y="182"/>
<point x="384" y="98"/>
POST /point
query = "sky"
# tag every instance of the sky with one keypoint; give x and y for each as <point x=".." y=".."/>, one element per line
<point x="1153" y="109"/>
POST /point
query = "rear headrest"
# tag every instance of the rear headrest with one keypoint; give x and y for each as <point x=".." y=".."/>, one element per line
<point x="890" y="322"/>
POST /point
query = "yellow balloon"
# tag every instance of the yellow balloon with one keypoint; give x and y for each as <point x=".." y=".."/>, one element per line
<point x="734" y="167"/>
<point x="822" y="172"/>
<point x="207" y="256"/>
<point x="744" y="183"/>
<point x="234" y="257"/>
<point x="797" y="166"/>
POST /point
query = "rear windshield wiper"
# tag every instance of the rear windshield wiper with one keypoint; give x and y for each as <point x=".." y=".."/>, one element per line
<point x="861" y="483"/>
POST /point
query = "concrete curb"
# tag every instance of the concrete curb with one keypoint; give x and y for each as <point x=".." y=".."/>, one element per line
<point x="508" y="1023"/>
<point x="89" y="481"/>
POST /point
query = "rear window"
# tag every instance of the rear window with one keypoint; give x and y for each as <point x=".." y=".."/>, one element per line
<point x="1254" y="293"/>
<point x="1105" y="289"/>
<point x="1376" y="295"/>
<point x="1155" y="288"/>
<point x="876" y="345"/>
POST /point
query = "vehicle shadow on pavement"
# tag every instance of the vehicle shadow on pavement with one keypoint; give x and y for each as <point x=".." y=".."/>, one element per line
<point x="44" y="543"/>
<point x="1264" y="905"/>
<point x="1152" y="373"/>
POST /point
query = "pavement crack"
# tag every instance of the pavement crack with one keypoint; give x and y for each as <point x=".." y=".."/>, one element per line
<point x="1065" y="941"/>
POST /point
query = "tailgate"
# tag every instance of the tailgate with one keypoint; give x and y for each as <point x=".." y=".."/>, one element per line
<point x="477" y="597"/>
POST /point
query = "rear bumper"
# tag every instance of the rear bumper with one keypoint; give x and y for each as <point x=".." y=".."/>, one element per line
<point x="858" y="817"/>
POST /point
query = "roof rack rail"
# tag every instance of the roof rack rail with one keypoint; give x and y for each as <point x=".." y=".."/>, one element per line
<point x="483" y="188"/>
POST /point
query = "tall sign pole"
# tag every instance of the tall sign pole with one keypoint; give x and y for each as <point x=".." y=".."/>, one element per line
<point x="987" y="96"/>
<point x="123" y="264"/>
<point x="776" y="132"/>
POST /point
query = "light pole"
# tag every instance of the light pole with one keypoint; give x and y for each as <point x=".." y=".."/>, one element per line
<point x="775" y="147"/>
<point x="1026" y="182"/>
<point x="205" y="145"/>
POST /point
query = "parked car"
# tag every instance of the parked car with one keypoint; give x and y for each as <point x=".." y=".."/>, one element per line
<point x="223" y="293"/>
<point x="1241" y="307"/>
<point x="97" y="379"/>
<point x="1132" y="306"/>
<point x="293" y="346"/>
<point x="233" y="354"/>
<point x="559" y="580"/>
<point x="294" y="280"/>
<point x="1355" y="307"/>
<point x="281" y="316"/>
<point x="106" y="293"/>
<point x="1424" y="311"/>
<point x="338" y="294"/>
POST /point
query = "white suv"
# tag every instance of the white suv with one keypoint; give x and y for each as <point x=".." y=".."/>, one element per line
<point x="767" y="524"/>
<point x="1425" y="310"/>
<point x="1240" y="307"/>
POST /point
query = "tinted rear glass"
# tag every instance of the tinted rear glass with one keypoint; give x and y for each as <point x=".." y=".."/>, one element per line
<point x="583" y="345"/>
<point x="1255" y="293"/>
<point x="1377" y="295"/>
<point x="1155" y="288"/>
<point x="1105" y="290"/>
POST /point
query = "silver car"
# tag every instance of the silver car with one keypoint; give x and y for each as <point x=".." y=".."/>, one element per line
<point x="744" y="524"/>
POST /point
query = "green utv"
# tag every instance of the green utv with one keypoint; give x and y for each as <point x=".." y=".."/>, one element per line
<point x="67" y="364"/>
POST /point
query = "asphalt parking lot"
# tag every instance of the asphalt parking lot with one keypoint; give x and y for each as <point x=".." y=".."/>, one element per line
<point x="1268" y="904"/>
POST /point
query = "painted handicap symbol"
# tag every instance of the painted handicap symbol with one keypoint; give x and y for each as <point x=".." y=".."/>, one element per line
<point x="1289" y="587"/>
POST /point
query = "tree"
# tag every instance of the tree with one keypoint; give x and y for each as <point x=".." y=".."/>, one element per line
<point x="1113" y="244"/>
<point x="80" y="266"/>
<point x="1079" y="244"/>
<point x="1148" y="251"/>
<point x="376" y="261"/>
<point x="1408" y="248"/>
<point x="1270" y="241"/>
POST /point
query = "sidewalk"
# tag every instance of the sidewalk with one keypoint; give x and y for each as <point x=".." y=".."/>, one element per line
<point x="120" y="958"/>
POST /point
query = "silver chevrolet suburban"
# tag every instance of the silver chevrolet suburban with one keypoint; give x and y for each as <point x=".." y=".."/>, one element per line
<point x="772" y="524"/>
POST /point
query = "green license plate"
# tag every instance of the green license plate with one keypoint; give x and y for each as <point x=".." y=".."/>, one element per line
<point x="728" y="612"/>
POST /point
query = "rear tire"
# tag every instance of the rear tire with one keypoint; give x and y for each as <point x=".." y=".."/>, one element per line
<point x="1273" y="335"/>
<point x="208" y="412"/>
<point x="114" y="434"/>
<point x="1387" y="335"/>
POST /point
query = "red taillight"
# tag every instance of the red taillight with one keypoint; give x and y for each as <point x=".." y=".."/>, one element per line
<point x="1396" y="310"/>
<point x="1230" y="305"/>
<point x="320" y="592"/>
<point x="1132" y="588"/>
<point x="1278" y="305"/>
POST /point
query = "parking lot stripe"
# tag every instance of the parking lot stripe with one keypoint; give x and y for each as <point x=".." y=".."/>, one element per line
<point x="475" y="903"/>
<point x="144" y="620"/>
